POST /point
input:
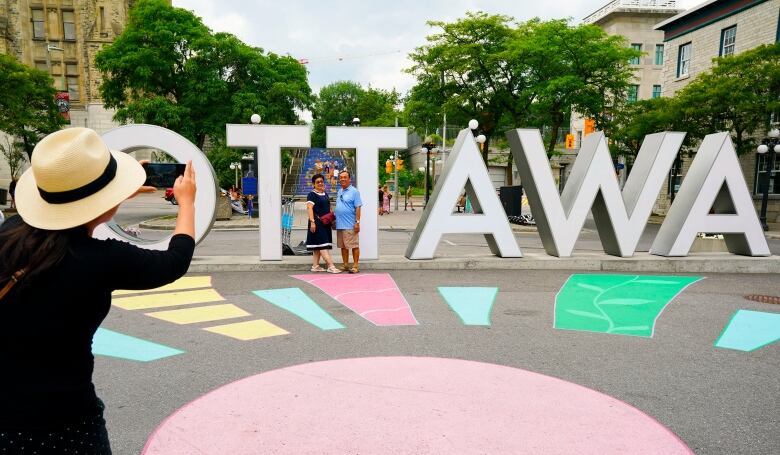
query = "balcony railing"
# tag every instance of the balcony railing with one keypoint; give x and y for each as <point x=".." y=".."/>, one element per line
<point x="642" y="5"/>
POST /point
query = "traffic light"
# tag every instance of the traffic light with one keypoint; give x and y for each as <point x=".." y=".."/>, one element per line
<point x="569" y="141"/>
<point x="400" y="164"/>
<point x="389" y="166"/>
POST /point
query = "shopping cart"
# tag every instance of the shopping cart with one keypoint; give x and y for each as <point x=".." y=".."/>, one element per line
<point x="288" y="217"/>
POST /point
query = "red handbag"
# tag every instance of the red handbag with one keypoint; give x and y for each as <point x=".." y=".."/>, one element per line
<point x="328" y="218"/>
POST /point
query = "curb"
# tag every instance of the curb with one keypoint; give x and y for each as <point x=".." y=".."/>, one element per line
<point x="640" y="262"/>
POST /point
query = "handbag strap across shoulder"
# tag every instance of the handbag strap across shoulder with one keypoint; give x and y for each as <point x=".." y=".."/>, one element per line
<point x="14" y="279"/>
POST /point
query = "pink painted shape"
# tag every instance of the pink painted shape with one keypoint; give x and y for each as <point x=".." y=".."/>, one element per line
<point x="373" y="296"/>
<point x="408" y="405"/>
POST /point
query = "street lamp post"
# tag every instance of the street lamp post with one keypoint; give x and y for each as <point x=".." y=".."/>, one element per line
<point x="427" y="148"/>
<point x="771" y="145"/>
<point x="235" y="167"/>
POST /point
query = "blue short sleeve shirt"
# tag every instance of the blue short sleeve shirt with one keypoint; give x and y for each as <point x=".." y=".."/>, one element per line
<point x="347" y="201"/>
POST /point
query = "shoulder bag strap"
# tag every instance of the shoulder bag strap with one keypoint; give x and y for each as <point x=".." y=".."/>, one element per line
<point x="14" y="279"/>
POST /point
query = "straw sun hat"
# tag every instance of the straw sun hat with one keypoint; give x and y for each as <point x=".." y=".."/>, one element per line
<point x="73" y="179"/>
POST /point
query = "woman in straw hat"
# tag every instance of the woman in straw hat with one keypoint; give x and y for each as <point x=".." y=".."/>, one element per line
<point x="56" y="283"/>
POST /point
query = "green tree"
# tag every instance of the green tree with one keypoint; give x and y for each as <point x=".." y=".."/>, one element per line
<point x="507" y="74"/>
<point x="738" y="94"/>
<point x="568" y="69"/>
<point x="168" y="69"/>
<point x="28" y="111"/>
<point x="340" y="102"/>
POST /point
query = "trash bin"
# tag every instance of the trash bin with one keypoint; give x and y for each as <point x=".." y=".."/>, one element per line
<point x="512" y="199"/>
<point x="3" y="196"/>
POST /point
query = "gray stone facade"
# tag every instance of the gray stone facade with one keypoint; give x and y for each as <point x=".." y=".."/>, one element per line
<point x="80" y="28"/>
<point x="702" y="27"/>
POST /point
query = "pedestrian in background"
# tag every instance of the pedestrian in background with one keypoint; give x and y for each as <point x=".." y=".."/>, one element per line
<point x="386" y="196"/>
<point x="408" y="199"/>
<point x="57" y="281"/>
<point x="319" y="238"/>
<point x="12" y="192"/>
<point x="348" y="203"/>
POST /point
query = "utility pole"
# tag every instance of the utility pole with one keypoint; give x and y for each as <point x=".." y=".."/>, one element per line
<point x="395" y="172"/>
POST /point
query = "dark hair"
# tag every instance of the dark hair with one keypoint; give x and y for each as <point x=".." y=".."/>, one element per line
<point x="317" y="176"/>
<point x="23" y="246"/>
<point x="345" y="171"/>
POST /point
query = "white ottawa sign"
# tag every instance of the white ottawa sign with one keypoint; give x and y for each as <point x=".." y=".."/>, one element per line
<point x="714" y="184"/>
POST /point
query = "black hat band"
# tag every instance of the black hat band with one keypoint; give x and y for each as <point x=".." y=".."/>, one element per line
<point x="64" y="197"/>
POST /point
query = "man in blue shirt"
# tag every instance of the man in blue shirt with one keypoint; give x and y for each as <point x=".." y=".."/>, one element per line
<point x="348" y="205"/>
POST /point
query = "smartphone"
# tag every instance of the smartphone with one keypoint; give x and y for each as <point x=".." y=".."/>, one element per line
<point x="163" y="175"/>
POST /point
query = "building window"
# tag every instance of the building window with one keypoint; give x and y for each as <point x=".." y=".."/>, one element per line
<point x="684" y="60"/>
<point x="636" y="47"/>
<point x="656" y="91"/>
<point x="633" y="92"/>
<point x="39" y="28"/>
<point x="659" y="54"/>
<point x="761" y="165"/>
<point x="72" y="70"/>
<point x="728" y="39"/>
<point x="42" y="67"/>
<point x="68" y="25"/>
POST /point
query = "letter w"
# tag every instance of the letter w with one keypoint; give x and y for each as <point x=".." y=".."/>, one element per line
<point x="592" y="186"/>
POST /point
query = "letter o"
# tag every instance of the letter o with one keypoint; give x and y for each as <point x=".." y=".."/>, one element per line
<point x="139" y="136"/>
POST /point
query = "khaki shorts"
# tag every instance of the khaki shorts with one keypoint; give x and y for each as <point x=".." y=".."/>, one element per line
<point x="347" y="238"/>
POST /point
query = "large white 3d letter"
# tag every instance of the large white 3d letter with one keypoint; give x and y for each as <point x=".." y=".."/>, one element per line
<point x="367" y="141"/>
<point x="269" y="140"/>
<point x="464" y="167"/>
<point x="592" y="185"/>
<point x="714" y="181"/>
<point x="139" y="136"/>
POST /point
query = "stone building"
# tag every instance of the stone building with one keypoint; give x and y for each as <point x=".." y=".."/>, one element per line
<point x="62" y="38"/>
<point x="691" y="40"/>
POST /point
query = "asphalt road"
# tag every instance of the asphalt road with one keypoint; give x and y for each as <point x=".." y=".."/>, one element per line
<point x="718" y="401"/>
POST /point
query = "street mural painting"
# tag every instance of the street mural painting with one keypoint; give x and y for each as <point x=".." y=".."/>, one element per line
<point x="114" y="344"/>
<point x="750" y="330"/>
<point x="298" y="303"/>
<point x="248" y="330"/>
<point x="191" y="291"/>
<point x="409" y="405"/>
<point x="472" y="304"/>
<point x="373" y="296"/>
<point x="616" y="304"/>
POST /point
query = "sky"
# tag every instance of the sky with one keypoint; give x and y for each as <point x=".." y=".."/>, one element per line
<point x="363" y="41"/>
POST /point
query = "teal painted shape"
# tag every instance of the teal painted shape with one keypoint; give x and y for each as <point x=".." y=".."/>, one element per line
<point x="471" y="304"/>
<point x="298" y="303"/>
<point x="750" y="330"/>
<point x="114" y="344"/>
<point x="617" y="304"/>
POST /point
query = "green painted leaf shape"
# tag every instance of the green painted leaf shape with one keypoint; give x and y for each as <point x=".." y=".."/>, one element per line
<point x="648" y="281"/>
<point x="624" y="301"/>
<point x="631" y="328"/>
<point x="590" y="287"/>
<point x="587" y="314"/>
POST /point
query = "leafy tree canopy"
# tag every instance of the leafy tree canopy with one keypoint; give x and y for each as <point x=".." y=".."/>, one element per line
<point x="508" y="74"/>
<point x="167" y="68"/>
<point x="27" y="108"/>
<point x="739" y="94"/>
<point x="340" y="102"/>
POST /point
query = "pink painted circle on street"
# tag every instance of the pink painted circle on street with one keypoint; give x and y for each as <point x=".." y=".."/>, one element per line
<point x="408" y="405"/>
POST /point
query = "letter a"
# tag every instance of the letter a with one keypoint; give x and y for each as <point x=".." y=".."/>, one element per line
<point x="592" y="186"/>
<point x="464" y="167"/>
<point x="714" y="181"/>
